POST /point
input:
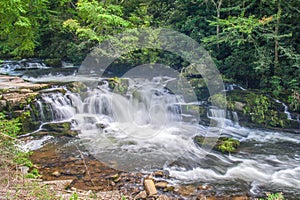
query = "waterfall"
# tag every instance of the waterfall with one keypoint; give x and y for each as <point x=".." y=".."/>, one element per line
<point x="286" y="108"/>
<point x="230" y="87"/>
<point x="148" y="128"/>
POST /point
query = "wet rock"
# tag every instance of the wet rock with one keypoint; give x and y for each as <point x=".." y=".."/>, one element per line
<point x="73" y="171"/>
<point x="222" y="144"/>
<point x="239" y="106"/>
<point x="60" y="129"/>
<point x="62" y="184"/>
<point x="158" y="173"/>
<point x="169" y="188"/>
<point x="3" y="104"/>
<point x="77" y="87"/>
<point x="53" y="62"/>
<point x="150" y="187"/>
<point x="201" y="197"/>
<point x="141" y="195"/>
<point x="56" y="173"/>
<point x="186" y="191"/>
<point x="240" y="198"/>
<point x="161" y="173"/>
<point x="112" y="195"/>
<point x="161" y="184"/>
<point x="204" y="187"/>
<point x="101" y="125"/>
<point x="163" y="197"/>
<point x="211" y="198"/>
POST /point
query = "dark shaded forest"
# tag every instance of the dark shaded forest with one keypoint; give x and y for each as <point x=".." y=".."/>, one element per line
<point x="255" y="43"/>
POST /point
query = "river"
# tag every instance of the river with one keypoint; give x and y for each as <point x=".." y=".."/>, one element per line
<point x="146" y="129"/>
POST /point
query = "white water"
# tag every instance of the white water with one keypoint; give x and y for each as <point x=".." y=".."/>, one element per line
<point x="144" y="131"/>
<point x="286" y="109"/>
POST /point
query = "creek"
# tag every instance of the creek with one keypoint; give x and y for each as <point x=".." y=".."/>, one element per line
<point x="147" y="128"/>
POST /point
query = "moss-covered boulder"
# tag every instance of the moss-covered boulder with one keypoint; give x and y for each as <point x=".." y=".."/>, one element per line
<point x="59" y="129"/>
<point x="118" y="85"/>
<point x="222" y="144"/>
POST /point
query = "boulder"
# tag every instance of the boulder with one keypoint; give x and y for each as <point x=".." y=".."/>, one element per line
<point x="150" y="187"/>
<point x="60" y="129"/>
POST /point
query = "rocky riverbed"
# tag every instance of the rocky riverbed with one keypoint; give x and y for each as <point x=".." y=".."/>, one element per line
<point x="64" y="159"/>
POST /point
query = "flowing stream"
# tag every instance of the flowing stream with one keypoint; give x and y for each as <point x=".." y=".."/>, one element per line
<point x="146" y="129"/>
<point x="149" y="128"/>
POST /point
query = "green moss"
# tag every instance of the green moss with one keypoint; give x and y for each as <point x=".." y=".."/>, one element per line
<point x="222" y="144"/>
<point x="218" y="100"/>
<point x="118" y="85"/>
<point x="227" y="145"/>
<point x="273" y="196"/>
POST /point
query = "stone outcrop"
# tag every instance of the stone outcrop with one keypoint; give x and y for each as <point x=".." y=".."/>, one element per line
<point x="15" y="93"/>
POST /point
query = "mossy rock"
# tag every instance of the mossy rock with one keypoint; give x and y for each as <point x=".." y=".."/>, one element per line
<point x="222" y="144"/>
<point x="53" y="62"/>
<point x="60" y="129"/>
<point x="118" y="85"/>
<point x="77" y="87"/>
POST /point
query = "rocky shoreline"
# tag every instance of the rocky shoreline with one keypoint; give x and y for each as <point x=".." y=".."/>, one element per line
<point x="82" y="173"/>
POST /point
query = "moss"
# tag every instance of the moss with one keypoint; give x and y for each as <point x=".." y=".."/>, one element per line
<point x="118" y="85"/>
<point x="53" y="62"/>
<point x="222" y="144"/>
<point x="258" y="109"/>
<point x="218" y="100"/>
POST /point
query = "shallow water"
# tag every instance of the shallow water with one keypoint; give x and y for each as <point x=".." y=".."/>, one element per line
<point x="144" y="130"/>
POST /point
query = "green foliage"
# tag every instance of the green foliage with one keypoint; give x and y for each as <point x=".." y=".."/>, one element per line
<point x="261" y="111"/>
<point x="228" y="145"/>
<point x="96" y="20"/>
<point x="10" y="127"/>
<point x="74" y="196"/>
<point x="294" y="101"/>
<point x="274" y="196"/>
<point x="257" y="106"/>
<point x="33" y="174"/>
<point x="22" y="158"/>
<point x="223" y="144"/>
<point x="19" y="26"/>
<point x="276" y="86"/>
<point x="218" y="100"/>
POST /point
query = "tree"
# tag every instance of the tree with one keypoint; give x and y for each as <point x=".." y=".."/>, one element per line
<point x="19" y="26"/>
<point x="263" y="40"/>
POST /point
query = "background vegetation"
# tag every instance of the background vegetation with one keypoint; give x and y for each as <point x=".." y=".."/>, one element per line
<point x="254" y="42"/>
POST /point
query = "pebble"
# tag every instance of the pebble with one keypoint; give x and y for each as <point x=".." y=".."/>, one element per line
<point x="163" y="197"/>
<point x="161" y="184"/>
<point x="56" y="173"/>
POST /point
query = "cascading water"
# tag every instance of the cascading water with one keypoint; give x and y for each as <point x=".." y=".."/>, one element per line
<point x="145" y="128"/>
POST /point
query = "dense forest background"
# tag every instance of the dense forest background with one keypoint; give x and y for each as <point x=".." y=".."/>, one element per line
<point x="255" y="43"/>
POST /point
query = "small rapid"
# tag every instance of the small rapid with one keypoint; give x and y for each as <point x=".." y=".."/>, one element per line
<point x="146" y="129"/>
